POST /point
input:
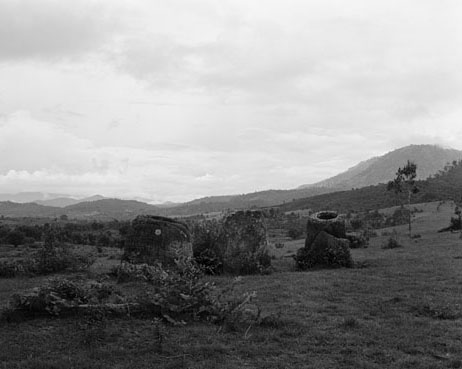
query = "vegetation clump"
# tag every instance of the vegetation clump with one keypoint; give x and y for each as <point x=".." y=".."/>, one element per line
<point x="393" y="241"/>
<point x="49" y="258"/>
<point x="357" y="240"/>
<point x="175" y="295"/>
<point x="209" y="245"/>
<point x="57" y="297"/>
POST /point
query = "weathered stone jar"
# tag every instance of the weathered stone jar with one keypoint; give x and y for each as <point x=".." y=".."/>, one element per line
<point x="326" y="244"/>
<point x="156" y="239"/>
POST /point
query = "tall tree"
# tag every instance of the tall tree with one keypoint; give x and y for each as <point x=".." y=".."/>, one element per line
<point x="404" y="183"/>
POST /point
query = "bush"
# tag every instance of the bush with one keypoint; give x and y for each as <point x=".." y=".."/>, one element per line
<point x="209" y="246"/>
<point x="50" y="259"/>
<point x="180" y="294"/>
<point x="47" y="260"/>
<point x="127" y="272"/>
<point x="57" y="296"/>
<point x="15" y="238"/>
<point x="11" y="269"/>
<point x="241" y="262"/>
<point x="357" y="240"/>
<point x="295" y="232"/>
<point x="393" y="241"/>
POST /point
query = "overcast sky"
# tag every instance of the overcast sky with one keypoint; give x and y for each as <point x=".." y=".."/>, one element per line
<point x="178" y="99"/>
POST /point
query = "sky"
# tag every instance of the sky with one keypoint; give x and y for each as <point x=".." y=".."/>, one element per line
<point x="179" y="99"/>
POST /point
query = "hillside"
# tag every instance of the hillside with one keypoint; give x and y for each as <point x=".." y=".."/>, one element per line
<point x="446" y="185"/>
<point x="18" y="210"/>
<point x="110" y="208"/>
<point x="429" y="159"/>
<point x="46" y="199"/>
<point x="245" y="201"/>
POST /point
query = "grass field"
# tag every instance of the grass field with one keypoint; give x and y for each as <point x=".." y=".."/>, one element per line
<point x="398" y="308"/>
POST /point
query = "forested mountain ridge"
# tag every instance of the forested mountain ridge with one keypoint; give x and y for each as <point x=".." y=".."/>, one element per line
<point x="429" y="159"/>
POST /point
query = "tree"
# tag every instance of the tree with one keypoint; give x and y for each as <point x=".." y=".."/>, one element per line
<point x="458" y="212"/>
<point x="15" y="238"/>
<point x="404" y="183"/>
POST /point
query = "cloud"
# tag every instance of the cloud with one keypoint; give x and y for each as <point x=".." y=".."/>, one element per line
<point x="180" y="99"/>
<point x="52" y="29"/>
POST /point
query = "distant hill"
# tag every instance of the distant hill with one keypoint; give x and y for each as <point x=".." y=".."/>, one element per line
<point x="46" y="199"/>
<point x="429" y="159"/>
<point x="110" y="208"/>
<point x="332" y="193"/>
<point x="18" y="210"/>
<point x="59" y="202"/>
<point x="245" y="201"/>
<point x="24" y="197"/>
<point x="445" y="185"/>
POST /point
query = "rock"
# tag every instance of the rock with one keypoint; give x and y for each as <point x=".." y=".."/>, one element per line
<point x="327" y="221"/>
<point x="154" y="239"/>
<point x="325" y="251"/>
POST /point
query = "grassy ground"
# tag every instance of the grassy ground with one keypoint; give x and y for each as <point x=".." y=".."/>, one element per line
<point x="399" y="308"/>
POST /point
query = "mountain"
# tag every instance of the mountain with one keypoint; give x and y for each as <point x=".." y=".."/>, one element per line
<point x="59" y="202"/>
<point x="110" y="209"/>
<point x="330" y="193"/>
<point x="445" y="185"/>
<point x="46" y="199"/>
<point x="62" y="202"/>
<point x="430" y="159"/>
<point x="251" y="200"/>
<point x="24" y="197"/>
<point x="18" y="210"/>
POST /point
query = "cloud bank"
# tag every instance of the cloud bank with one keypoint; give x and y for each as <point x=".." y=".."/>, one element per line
<point x="180" y="99"/>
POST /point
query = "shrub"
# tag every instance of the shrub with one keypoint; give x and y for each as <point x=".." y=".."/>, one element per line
<point x="245" y="262"/>
<point x="357" y="240"/>
<point x="50" y="259"/>
<point x="15" y="238"/>
<point x="56" y="296"/>
<point x="127" y="272"/>
<point x="47" y="260"/>
<point x="11" y="269"/>
<point x="179" y="295"/>
<point x="295" y="232"/>
<point x="393" y="241"/>
<point x="209" y="246"/>
<point x="49" y="299"/>
<point x="369" y="233"/>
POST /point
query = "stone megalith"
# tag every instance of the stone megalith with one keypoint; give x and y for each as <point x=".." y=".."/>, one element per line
<point x="326" y="244"/>
<point x="155" y="239"/>
<point x="246" y="239"/>
<point x="327" y="221"/>
<point x="246" y="230"/>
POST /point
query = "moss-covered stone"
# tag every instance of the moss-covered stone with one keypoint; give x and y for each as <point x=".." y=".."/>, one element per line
<point x="326" y="244"/>
<point x="327" y="221"/>
<point x="154" y="239"/>
<point x="325" y="251"/>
